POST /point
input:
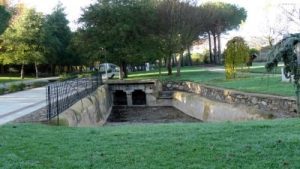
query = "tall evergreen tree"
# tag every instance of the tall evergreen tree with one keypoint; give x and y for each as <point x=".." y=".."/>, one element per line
<point x="57" y="38"/>
<point x="219" y="18"/>
<point x="4" y="22"/>
<point x="4" y="18"/>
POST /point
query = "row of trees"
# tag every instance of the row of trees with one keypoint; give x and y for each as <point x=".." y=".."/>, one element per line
<point x="118" y="31"/>
<point x="32" y="38"/>
<point x="221" y="17"/>
<point x="135" y="31"/>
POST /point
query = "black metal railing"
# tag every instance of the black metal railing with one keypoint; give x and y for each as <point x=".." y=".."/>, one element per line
<point x="62" y="95"/>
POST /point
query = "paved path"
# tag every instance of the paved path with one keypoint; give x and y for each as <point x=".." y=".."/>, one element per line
<point x="15" y="105"/>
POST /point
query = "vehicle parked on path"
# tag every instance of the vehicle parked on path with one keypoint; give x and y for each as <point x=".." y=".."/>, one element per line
<point x="109" y="70"/>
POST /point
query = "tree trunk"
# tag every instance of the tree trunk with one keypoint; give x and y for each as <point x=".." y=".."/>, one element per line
<point x="219" y="48"/>
<point x="80" y="69"/>
<point x="121" y="75"/>
<point x="179" y="63"/>
<point x="36" y="70"/>
<point x="215" y="48"/>
<point x="209" y="44"/>
<point x="2" y="69"/>
<point x="124" y="66"/>
<point x="22" y="71"/>
<point x="181" y="59"/>
<point x="169" y="64"/>
<point x="52" y="70"/>
<point x="159" y="67"/>
<point x="173" y="60"/>
<point x="189" y="57"/>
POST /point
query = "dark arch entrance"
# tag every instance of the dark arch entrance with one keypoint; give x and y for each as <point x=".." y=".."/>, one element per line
<point x="138" y="97"/>
<point x="120" y="97"/>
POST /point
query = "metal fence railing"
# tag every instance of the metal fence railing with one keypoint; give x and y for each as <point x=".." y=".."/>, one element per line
<point x="62" y="95"/>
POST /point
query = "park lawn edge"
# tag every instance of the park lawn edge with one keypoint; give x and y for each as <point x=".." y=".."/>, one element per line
<point x="250" y="144"/>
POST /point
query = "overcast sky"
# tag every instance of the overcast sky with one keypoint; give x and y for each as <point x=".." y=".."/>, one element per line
<point x="72" y="7"/>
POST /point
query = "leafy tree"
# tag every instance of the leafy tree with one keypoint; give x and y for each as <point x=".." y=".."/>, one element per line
<point x="79" y="51"/>
<point x="169" y="13"/>
<point x="116" y="29"/>
<point x="4" y="18"/>
<point x="57" y="39"/>
<point x="135" y="31"/>
<point x="22" y="41"/>
<point x="219" y="18"/>
<point x="284" y="51"/>
<point x="190" y="28"/>
<point x="236" y="54"/>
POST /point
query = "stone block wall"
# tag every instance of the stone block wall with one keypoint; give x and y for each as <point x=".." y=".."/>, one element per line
<point x="92" y="110"/>
<point x="276" y="105"/>
<point x="209" y="110"/>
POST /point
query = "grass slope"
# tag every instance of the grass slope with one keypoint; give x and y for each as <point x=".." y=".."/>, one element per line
<point x="255" y="144"/>
<point x="257" y="82"/>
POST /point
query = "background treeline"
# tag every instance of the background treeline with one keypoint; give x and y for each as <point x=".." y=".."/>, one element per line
<point x="124" y="32"/>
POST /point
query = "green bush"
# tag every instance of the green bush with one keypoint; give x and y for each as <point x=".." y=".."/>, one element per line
<point x="38" y="84"/>
<point x="84" y="75"/>
<point x="2" y="91"/>
<point x="88" y="74"/>
<point x="67" y="76"/>
<point x="16" y="87"/>
<point x="198" y="58"/>
<point x="236" y="55"/>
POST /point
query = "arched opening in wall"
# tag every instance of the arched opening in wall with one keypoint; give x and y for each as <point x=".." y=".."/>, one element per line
<point x="120" y="97"/>
<point x="138" y="97"/>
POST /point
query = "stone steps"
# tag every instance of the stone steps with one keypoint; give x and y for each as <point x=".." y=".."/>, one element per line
<point x="165" y="95"/>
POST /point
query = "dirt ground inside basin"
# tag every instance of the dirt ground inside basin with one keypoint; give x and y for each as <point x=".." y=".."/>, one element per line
<point x="125" y="115"/>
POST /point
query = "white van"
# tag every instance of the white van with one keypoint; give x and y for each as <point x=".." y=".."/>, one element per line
<point x="109" y="70"/>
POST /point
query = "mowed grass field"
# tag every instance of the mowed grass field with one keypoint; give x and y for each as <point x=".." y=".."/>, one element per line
<point x="12" y="78"/>
<point x="257" y="80"/>
<point x="253" y="144"/>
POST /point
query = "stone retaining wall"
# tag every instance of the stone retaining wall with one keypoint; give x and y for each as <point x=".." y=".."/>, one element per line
<point x="209" y="110"/>
<point x="276" y="105"/>
<point x="92" y="110"/>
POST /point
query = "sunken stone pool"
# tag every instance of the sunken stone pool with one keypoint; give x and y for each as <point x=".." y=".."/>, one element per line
<point x="124" y="115"/>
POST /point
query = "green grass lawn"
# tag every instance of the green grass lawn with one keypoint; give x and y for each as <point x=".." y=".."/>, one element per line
<point x="254" y="82"/>
<point x="263" y="70"/>
<point x="254" y="144"/>
<point x="11" y="78"/>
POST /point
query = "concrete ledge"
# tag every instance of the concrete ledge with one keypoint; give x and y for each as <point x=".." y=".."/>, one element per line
<point x="209" y="110"/>
<point x="277" y="105"/>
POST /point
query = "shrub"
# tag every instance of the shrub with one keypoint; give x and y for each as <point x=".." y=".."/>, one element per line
<point x="198" y="58"/>
<point x="2" y="91"/>
<point x="16" y="87"/>
<point x="67" y="76"/>
<point x="38" y="84"/>
<point x="236" y="54"/>
<point x="84" y="75"/>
